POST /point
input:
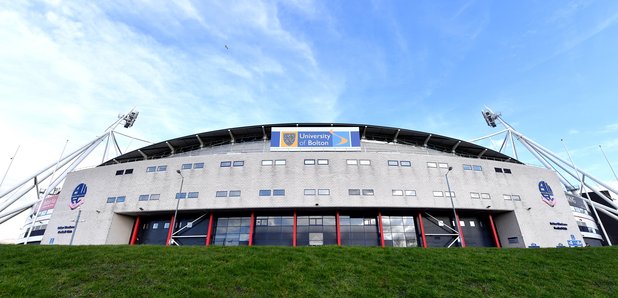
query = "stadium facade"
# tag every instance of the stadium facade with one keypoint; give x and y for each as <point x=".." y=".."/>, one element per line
<point x="315" y="184"/>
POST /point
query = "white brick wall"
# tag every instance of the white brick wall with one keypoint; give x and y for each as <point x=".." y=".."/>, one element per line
<point x="96" y="224"/>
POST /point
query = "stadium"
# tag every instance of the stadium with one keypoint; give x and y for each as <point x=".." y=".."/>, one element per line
<point x="312" y="184"/>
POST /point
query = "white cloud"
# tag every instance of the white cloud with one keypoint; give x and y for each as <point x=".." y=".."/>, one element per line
<point x="610" y="128"/>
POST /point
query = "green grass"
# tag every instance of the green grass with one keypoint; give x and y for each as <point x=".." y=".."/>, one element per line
<point x="138" y="271"/>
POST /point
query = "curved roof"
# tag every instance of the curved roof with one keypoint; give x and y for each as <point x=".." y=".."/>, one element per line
<point x="261" y="132"/>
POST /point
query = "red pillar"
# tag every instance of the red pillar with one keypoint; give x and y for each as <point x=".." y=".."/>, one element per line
<point x="136" y="230"/>
<point x="381" y="230"/>
<point x="338" y="230"/>
<point x="169" y="233"/>
<point x="251" y="227"/>
<point x="461" y="235"/>
<point x="420" y="223"/>
<point x="294" y="230"/>
<point x="493" y="230"/>
<point x="209" y="229"/>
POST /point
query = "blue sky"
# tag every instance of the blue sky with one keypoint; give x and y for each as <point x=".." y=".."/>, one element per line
<point x="67" y="69"/>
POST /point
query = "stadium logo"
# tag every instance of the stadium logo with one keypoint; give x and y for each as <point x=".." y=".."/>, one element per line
<point x="547" y="194"/>
<point x="77" y="198"/>
<point x="289" y="139"/>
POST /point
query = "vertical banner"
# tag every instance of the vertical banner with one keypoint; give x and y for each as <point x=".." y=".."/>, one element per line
<point x="315" y="139"/>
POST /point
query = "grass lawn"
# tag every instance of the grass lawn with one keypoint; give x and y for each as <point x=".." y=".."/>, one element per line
<point x="140" y="271"/>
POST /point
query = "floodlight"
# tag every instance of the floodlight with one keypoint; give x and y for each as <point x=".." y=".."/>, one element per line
<point x="489" y="118"/>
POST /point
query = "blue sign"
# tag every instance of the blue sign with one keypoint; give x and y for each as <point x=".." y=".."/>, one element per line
<point x="573" y="242"/>
<point x="547" y="194"/>
<point x="77" y="197"/>
<point x="315" y="139"/>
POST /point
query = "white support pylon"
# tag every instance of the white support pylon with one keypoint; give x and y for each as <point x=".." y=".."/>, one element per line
<point x="553" y="162"/>
<point x="13" y="201"/>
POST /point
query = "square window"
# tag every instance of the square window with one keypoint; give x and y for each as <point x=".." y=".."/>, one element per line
<point x="267" y="162"/>
<point x="397" y="192"/>
<point x="467" y="167"/>
<point x="278" y="192"/>
<point x="193" y="195"/>
<point x="477" y="168"/>
<point x="280" y="162"/>
<point x="322" y="162"/>
<point x="198" y="165"/>
<point x="405" y="163"/>
<point x="119" y="172"/>
<point x="181" y="195"/>
<point x="393" y="163"/>
<point x="443" y="165"/>
<point x="143" y="197"/>
<point x="354" y="192"/>
<point x="324" y="192"/>
<point x="475" y="195"/>
<point x="410" y="192"/>
<point x="155" y="196"/>
<point x="309" y="192"/>
<point x="507" y="171"/>
<point x="239" y="163"/>
<point x="498" y="170"/>
<point x="265" y="192"/>
<point x="111" y="200"/>
<point x="367" y="192"/>
<point x="121" y="199"/>
<point x="155" y="225"/>
<point x="438" y="194"/>
<point x="351" y="161"/>
<point x="432" y="165"/>
<point x="186" y="166"/>
<point x="162" y="168"/>
<point x="166" y="225"/>
<point x="516" y="198"/>
<point x="485" y="196"/>
<point x="365" y="162"/>
<point x="507" y="197"/>
<point x="221" y="194"/>
<point x="226" y="164"/>
<point x="309" y="161"/>
<point x="235" y="193"/>
<point x="151" y="169"/>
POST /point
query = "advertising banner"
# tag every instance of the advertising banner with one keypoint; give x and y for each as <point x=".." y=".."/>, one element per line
<point x="48" y="203"/>
<point x="315" y="139"/>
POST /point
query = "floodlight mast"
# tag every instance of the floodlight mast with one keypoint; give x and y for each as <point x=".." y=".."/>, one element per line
<point x="13" y="201"/>
<point x="551" y="161"/>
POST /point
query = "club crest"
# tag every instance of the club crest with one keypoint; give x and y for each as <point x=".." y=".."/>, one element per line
<point x="289" y="139"/>
<point x="77" y="197"/>
<point x="547" y="194"/>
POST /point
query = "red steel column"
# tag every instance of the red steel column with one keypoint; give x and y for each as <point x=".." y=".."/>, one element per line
<point x="136" y="230"/>
<point x="338" y="230"/>
<point x="493" y="230"/>
<point x="209" y="229"/>
<point x="381" y="230"/>
<point x="294" y="230"/>
<point x="420" y="223"/>
<point x="463" y="241"/>
<point x="169" y="233"/>
<point x="251" y="225"/>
